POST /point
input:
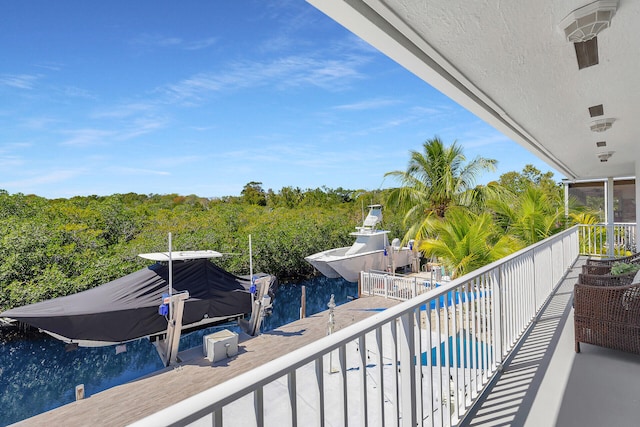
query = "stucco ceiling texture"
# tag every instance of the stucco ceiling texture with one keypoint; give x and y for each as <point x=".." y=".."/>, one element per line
<point x="510" y="63"/>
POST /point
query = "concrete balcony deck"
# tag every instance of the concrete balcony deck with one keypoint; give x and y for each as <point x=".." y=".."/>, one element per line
<point x="545" y="383"/>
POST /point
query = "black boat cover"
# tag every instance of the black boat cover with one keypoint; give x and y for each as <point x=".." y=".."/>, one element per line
<point x="127" y="308"/>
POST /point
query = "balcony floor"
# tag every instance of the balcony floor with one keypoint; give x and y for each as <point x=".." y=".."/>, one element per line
<point x="545" y="383"/>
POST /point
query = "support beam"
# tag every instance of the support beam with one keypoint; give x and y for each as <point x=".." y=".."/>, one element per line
<point x="168" y="348"/>
<point x="565" y="183"/>
<point x="608" y="196"/>
<point x="637" y="188"/>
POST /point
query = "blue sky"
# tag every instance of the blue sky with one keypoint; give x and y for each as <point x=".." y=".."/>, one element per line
<point x="202" y="97"/>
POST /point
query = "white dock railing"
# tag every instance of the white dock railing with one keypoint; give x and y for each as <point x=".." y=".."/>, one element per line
<point x="422" y="362"/>
<point x="396" y="286"/>
<point x="607" y="241"/>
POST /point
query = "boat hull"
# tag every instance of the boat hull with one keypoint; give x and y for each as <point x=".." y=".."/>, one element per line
<point x="320" y="261"/>
<point x="333" y="263"/>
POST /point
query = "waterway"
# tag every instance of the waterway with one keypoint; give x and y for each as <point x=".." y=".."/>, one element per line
<point x="37" y="374"/>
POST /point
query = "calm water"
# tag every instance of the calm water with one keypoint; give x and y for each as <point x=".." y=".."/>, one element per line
<point x="37" y="375"/>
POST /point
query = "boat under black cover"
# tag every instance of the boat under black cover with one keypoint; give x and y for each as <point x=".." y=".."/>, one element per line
<point x="127" y="308"/>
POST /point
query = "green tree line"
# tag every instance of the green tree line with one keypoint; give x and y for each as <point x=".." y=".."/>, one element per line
<point x="55" y="247"/>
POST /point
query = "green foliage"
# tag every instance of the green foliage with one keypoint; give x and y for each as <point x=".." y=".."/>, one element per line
<point x="466" y="226"/>
<point x="530" y="215"/>
<point x="51" y="248"/>
<point x="518" y="182"/>
<point x="253" y="194"/>
<point x="465" y="241"/>
<point x="435" y="180"/>
<point x="624" y="268"/>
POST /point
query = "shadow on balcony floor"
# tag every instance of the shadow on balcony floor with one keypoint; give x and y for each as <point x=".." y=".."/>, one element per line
<point x="603" y="389"/>
<point x="545" y="383"/>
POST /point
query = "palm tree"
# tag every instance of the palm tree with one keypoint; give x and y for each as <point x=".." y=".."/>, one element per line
<point x="464" y="240"/>
<point x="435" y="180"/>
<point x="531" y="215"/>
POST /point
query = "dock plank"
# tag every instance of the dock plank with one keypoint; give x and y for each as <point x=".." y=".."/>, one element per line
<point x="124" y="404"/>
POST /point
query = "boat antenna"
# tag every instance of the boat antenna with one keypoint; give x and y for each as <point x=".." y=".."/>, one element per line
<point x="362" y="209"/>
<point x="250" y="260"/>
<point x="170" y="280"/>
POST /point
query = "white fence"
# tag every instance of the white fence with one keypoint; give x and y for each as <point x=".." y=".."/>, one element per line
<point x="397" y="286"/>
<point x="422" y="362"/>
<point x="607" y="241"/>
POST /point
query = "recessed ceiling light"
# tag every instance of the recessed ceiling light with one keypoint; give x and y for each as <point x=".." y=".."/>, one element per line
<point x="587" y="21"/>
<point x="601" y="125"/>
<point x="601" y="144"/>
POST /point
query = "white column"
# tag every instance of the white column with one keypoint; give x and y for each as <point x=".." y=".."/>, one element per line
<point x="637" y="205"/>
<point x="608" y="197"/>
<point x="566" y="200"/>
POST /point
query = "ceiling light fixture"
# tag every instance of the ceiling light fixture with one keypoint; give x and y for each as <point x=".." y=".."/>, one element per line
<point x="601" y="144"/>
<point x="586" y="22"/>
<point x="601" y="125"/>
<point x="605" y="156"/>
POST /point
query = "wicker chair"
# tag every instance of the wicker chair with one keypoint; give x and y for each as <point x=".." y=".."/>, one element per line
<point x="607" y="316"/>
<point x="606" y="279"/>
<point x="596" y="269"/>
<point x="633" y="258"/>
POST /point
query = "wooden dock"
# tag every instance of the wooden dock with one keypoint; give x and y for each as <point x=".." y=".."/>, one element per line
<point x="124" y="404"/>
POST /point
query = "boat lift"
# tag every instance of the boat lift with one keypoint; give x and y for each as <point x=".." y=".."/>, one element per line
<point x="173" y="304"/>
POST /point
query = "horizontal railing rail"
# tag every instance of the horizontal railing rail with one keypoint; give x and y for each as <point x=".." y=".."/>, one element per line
<point x="424" y="361"/>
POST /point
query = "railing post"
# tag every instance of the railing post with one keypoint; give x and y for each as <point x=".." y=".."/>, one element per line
<point x="407" y="371"/>
<point x="386" y="286"/>
<point x="499" y="321"/>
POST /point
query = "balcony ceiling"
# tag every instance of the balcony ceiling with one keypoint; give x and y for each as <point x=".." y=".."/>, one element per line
<point x="511" y="64"/>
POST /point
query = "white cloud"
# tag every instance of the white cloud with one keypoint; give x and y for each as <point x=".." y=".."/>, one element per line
<point x="55" y="176"/>
<point x="90" y="137"/>
<point x="141" y="127"/>
<point x="86" y="137"/>
<point x="124" y="110"/>
<point x="76" y="92"/>
<point x="368" y="104"/>
<point x="19" y="81"/>
<point x="38" y="123"/>
<point x="136" y="171"/>
<point x="156" y="40"/>
<point x="12" y="146"/>
<point x="300" y="70"/>
<point x="51" y="66"/>
<point x="10" y="161"/>
<point x="200" y="44"/>
<point x="160" y="41"/>
<point x="176" y="161"/>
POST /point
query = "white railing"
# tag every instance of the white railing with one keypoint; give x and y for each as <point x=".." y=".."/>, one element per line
<point x="396" y="286"/>
<point x="424" y="361"/>
<point x="603" y="240"/>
